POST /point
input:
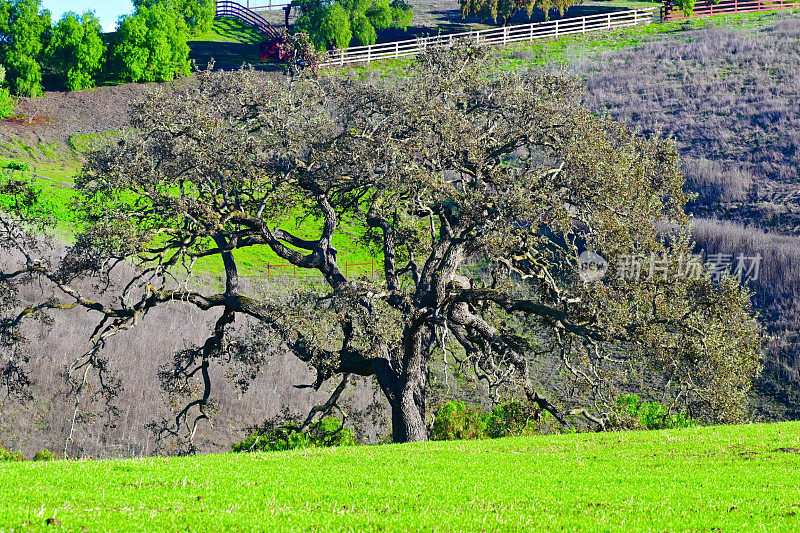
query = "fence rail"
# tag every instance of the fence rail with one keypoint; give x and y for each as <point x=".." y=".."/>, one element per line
<point x="504" y="35"/>
<point x="707" y="8"/>
<point x="227" y="8"/>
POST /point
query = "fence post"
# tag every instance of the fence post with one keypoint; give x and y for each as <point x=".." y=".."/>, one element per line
<point x="505" y="34"/>
<point x="369" y="54"/>
<point x="341" y="56"/>
<point x="584" y="25"/>
<point x="609" y="21"/>
<point x="556" y="28"/>
<point x="531" y="25"/>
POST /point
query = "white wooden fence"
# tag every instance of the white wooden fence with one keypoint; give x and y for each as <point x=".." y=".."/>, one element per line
<point x="504" y="35"/>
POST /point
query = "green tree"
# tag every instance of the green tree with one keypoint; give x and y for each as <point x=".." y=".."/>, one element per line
<point x="22" y="28"/>
<point x="198" y="14"/>
<point x="76" y="50"/>
<point x="6" y="102"/>
<point x="505" y="9"/>
<point x="335" y="25"/>
<point x="152" y="44"/>
<point x="481" y="191"/>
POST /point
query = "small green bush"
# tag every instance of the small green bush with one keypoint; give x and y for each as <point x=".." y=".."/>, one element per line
<point x="456" y="420"/>
<point x="45" y="455"/>
<point x="9" y="456"/>
<point x="15" y="165"/>
<point x="653" y="415"/>
<point x="323" y="433"/>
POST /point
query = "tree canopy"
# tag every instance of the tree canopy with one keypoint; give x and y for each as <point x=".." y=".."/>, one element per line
<point x="152" y="43"/>
<point x="335" y="24"/>
<point x="198" y="14"/>
<point x="76" y="50"/>
<point x="482" y="194"/>
<point x="22" y="28"/>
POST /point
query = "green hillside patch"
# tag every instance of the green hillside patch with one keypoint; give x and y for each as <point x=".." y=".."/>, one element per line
<point x="731" y="478"/>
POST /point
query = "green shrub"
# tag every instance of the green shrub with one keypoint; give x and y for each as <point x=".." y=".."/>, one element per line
<point x="687" y="6"/>
<point x="76" y="50"/>
<point x="456" y="420"/>
<point x="9" y="456"/>
<point x="328" y="431"/>
<point x="45" y="455"/>
<point x="653" y="415"/>
<point x="15" y="165"/>
<point x="511" y="420"/>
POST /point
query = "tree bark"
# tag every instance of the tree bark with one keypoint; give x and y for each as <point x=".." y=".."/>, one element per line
<point x="408" y="414"/>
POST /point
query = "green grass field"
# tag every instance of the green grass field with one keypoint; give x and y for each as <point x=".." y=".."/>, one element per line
<point x="701" y="479"/>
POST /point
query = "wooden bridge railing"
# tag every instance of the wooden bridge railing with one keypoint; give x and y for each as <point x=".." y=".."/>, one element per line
<point x="227" y="8"/>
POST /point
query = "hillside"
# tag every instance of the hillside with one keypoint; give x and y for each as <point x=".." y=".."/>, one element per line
<point x="703" y="479"/>
<point x="51" y="133"/>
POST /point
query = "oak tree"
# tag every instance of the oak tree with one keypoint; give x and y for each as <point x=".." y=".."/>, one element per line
<point x="482" y="194"/>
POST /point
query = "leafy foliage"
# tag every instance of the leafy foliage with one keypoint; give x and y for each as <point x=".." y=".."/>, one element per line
<point x="687" y="6"/>
<point x="45" y="455"/>
<point x="15" y="165"/>
<point x="10" y="456"/>
<point x="6" y="102"/>
<point x="22" y="28"/>
<point x="198" y="14"/>
<point x="506" y="9"/>
<point x="76" y="50"/>
<point x="336" y="24"/>
<point x="328" y="431"/>
<point x="456" y="420"/>
<point x="653" y="415"/>
<point x="153" y="44"/>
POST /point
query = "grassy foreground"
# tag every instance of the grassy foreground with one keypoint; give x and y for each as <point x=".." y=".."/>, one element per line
<point x="731" y="478"/>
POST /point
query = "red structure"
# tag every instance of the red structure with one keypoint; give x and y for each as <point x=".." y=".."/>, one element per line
<point x="706" y="8"/>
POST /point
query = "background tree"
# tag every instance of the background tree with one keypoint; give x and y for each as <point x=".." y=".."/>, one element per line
<point x="335" y="24"/>
<point x="481" y="192"/>
<point x="6" y="102"/>
<point x="22" y="29"/>
<point x="76" y="50"/>
<point x="198" y="14"/>
<point x="152" y="44"/>
<point x="506" y="9"/>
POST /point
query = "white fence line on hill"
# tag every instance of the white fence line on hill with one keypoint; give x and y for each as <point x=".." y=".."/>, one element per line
<point x="504" y="35"/>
